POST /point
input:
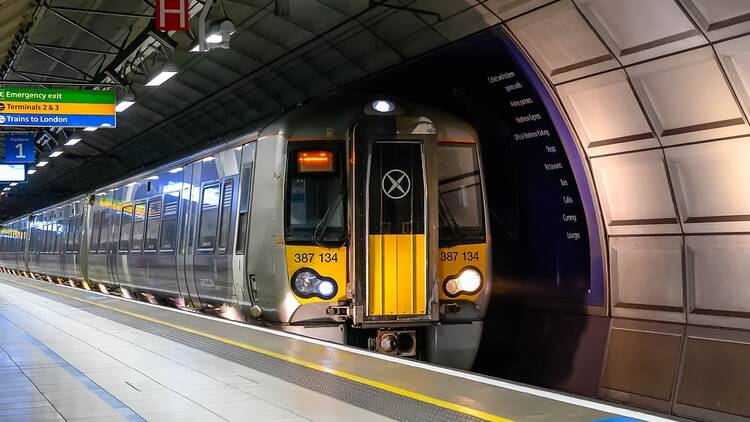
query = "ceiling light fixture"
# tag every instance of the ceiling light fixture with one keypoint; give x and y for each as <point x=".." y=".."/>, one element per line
<point x="163" y="74"/>
<point x="55" y="154"/>
<point x="42" y="163"/>
<point x="31" y="171"/>
<point x="123" y="105"/>
<point x="72" y="141"/>
<point x="90" y="129"/>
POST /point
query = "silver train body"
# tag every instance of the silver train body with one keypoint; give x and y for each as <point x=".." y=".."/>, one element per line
<point x="347" y="219"/>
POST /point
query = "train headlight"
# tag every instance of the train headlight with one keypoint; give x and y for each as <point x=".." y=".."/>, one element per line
<point x="383" y="106"/>
<point x="468" y="281"/>
<point x="307" y="283"/>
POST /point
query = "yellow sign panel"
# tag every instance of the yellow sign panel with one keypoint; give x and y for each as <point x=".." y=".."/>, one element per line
<point x="56" y="108"/>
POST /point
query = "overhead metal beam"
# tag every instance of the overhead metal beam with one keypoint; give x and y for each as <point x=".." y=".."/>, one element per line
<point x="26" y="73"/>
<point x="383" y="3"/>
<point x="100" y="12"/>
<point x="83" y="28"/>
<point x="31" y="82"/>
<point x="62" y="62"/>
<point x="73" y="49"/>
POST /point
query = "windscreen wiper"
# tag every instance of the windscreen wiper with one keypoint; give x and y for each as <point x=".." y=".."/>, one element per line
<point x="320" y="230"/>
<point x="455" y="228"/>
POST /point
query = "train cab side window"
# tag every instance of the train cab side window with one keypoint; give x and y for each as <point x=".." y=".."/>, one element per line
<point x="152" y="225"/>
<point x="139" y="225"/>
<point x="209" y="218"/>
<point x="460" y="200"/>
<point x="95" y="227"/>
<point x="226" y="215"/>
<point x="126" y="228"/>
<point x="103" y="232"/>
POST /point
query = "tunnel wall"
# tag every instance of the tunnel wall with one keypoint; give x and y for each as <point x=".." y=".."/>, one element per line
<point x="657" y="95"/>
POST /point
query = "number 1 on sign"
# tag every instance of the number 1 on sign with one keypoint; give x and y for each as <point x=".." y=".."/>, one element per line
<point x="20" y="154"/>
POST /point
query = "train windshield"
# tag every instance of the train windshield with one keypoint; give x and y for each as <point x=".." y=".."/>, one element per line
<point x="460" y="195"/>
<point x="315" y="206"/>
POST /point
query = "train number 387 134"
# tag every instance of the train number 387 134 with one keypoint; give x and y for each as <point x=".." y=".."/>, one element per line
<point x="310" y="257"/>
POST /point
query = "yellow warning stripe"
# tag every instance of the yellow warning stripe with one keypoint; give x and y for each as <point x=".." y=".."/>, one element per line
<point x="291" y="359"/>
<point x="57" y="108"/>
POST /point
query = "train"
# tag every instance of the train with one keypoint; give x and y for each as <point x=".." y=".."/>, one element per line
<point x="355" y="219"/>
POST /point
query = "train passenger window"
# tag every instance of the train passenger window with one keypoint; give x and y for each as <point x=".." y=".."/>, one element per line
<point x="71" y="234"/>
<point x="152" y="225"/>
<point x="139" y="223"/>
<point x="52" y="238"/>
<point x="60" y="236"/>
<point x="126" y="227"/>
<point x="209" y="217"/>
<point x="43" y="247"/>
<point x="103" y="232"/>
<point x="226" y="214"/>
<point x="169" y="227"/>
<point x="242" y="224"/>
<point x="461" y="206"/>
<point x="79" y="233"/>
<point x="315" y="192"/>
<point x="95" y="227"/>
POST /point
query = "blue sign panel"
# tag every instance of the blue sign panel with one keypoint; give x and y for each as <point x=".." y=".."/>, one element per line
<point x="48" y="120"/>
<point x="19" y="148"/>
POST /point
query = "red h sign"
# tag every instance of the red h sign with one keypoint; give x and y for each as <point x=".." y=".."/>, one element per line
<point x="172" y="15"/>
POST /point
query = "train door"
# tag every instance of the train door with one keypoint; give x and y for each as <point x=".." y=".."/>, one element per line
<point x="241" y="248"/>
<point x="110" y="248"/>
<point x="391" y="239"/>
<point x="190" y="199"/>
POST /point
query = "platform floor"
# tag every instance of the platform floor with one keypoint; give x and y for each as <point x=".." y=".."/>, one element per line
<point x="71" y="355"/>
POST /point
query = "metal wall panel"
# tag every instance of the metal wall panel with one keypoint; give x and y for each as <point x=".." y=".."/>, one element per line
<point x="646" y="277"/>
<point x="561" y="43"/>
<point x="634" y="193"/>
<point x="642" y="363"/>
<point x="715" y="370"/>
<point x="687" y="98"/>
<point x="606" y="114"/>
<point x="717" y="274"/>
<point x="637" y="30"/>
<point x="712" y="185"/>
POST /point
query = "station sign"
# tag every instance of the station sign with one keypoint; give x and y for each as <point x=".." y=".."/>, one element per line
<point x="172" y="15"/>
<point x="19" y="148"/>
<point x="41" y="107"/>
<point x="12" y="173"/>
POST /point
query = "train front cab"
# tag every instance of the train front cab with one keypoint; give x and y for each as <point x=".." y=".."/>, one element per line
<point x="396" y="210"/>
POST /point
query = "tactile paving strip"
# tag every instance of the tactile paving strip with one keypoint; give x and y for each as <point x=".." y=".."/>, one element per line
<point x="366" y="397"/>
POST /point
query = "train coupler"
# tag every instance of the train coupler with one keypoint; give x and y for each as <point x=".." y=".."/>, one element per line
<point x="394" y="342"/>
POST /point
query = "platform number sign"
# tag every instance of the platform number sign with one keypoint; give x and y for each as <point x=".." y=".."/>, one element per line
<point x="19" y="149"/>
<point x="172" y="15"/>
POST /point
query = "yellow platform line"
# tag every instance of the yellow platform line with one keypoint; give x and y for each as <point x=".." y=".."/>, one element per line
<point x="291" y="359"/>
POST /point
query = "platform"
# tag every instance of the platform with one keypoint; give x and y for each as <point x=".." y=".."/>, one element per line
<point x="74" y="355"/>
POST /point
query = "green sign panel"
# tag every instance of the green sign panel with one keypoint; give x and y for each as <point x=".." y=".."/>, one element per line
<point x="56" y="107"/>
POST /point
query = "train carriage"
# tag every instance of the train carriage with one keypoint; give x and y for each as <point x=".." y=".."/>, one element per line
<point x="352" y="219"/>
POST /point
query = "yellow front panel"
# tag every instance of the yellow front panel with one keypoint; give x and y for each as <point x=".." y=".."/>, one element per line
<point x="452" y="260"/>
<point x="397" y="279"/>
<point x="328" y="262"/>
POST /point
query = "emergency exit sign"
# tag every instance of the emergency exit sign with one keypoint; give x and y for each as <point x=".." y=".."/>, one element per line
<point x="40" y="107"/>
